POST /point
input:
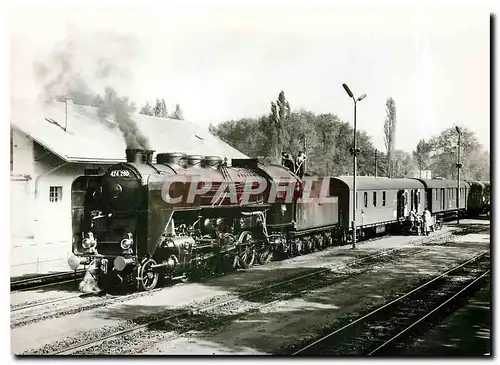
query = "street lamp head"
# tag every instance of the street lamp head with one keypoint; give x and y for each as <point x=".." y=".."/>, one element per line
<point x="348" y="91"/>
<point x="362" y="97"/>
<point x="459" y="130"/>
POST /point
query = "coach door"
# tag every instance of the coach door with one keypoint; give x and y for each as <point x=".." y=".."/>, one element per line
<point x="402" y="203"/>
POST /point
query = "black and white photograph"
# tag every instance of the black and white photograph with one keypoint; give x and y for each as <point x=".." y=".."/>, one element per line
<point x="297" y="178"/>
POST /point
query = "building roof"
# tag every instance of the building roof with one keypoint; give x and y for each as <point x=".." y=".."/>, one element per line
<point x="380" y="183"/>
<point x="88" y="139"/>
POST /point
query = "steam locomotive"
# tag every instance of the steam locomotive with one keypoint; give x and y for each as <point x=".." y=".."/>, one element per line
<point x="189" y="216"/>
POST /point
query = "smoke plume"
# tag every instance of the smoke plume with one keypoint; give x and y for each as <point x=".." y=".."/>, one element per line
<point x="83" y="65"/>
<point x="121" y="108"/>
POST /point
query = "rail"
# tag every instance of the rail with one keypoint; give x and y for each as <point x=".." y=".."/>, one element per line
<point x="324" y="344"/>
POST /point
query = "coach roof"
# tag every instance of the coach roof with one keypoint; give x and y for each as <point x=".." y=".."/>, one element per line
<point x="380" y="183"/>
<point x="438" y="183"/>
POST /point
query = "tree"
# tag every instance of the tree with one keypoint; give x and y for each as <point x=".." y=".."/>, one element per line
<point x="390" y="130"/>
<point x="243" y="134"/>
<point x="280" y="111"/>
<point x="444" y="153"/>
<point x="422" y="154"/>
<point x="160" y="109"/>
<point x="403" y="164"/>
<point x="147" y="110"/>
<point x="177" y="113"/>
<point x="328" y="141"/>
<point x="164" y="113"/>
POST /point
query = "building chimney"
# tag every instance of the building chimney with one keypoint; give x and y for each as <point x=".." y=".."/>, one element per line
<point x="69" y="107"/>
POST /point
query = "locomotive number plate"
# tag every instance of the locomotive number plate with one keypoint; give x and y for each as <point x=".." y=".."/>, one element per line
<point x="119" y="173"/>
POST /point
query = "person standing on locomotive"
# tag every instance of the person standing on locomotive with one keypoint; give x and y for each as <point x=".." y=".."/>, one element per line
<point x="287" y="161"/>
<point x="299" y="163"/>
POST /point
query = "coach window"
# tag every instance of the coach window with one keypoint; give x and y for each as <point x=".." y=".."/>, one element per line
<point x="55" y="194"/>
<point x="418" y="197"/>
<point x="374" y="198"/>
<point x="383" y="198"/>
<point x="365" y="198"/>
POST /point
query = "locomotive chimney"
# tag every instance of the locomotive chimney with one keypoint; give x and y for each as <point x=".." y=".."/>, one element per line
<point x="136" y="155"/>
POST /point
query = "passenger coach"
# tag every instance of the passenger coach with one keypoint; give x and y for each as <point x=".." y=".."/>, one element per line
<point x="442" y="196"/>
<point x="380" y="202"/>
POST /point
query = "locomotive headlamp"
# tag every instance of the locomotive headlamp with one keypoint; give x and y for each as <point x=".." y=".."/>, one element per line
<point x="89" y="242"/>
<point x="117" y="189"/>
<point x="127" y="242"/>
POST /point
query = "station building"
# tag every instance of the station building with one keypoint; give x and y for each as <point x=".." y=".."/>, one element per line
<point x="54" y="144"/>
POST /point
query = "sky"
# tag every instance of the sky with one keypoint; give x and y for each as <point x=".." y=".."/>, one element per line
<point x="221" y="63"/>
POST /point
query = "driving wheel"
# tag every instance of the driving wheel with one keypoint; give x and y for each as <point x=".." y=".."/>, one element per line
<point x="147" y="278"/>
<point x="247" y="251"/>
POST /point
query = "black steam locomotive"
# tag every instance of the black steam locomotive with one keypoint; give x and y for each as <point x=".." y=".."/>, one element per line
<point x="185" y="216"/>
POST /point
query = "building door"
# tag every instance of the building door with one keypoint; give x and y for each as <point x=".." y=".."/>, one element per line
<point x="402" y="203"/>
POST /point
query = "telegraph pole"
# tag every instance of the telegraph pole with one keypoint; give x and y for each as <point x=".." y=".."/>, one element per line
<point x="376" y="164"/>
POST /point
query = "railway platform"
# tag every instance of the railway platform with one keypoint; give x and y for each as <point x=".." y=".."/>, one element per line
<point x="29" y="258"/>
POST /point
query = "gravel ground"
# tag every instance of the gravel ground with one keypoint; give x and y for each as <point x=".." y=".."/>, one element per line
<point x="285" y="323"/>
<point x="55" y="333"/>
<point x="467" y="332"/>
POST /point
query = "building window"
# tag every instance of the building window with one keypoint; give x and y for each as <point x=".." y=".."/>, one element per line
<point x="383" y="198"/>
<point x="365" y="197"/>
<point x="374" y="198"/>
<point x="55" y="194"/>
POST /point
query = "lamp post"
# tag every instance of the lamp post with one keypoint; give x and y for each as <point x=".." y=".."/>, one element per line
<point x="354" y="152"/>
<point x="459" y="166"/>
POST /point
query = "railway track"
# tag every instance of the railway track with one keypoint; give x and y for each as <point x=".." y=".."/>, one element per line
<point x="382" y="330"/>
<point x="43" y="281"/>
<point x="24" y="313"/>
<point x="225" y="300"/>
